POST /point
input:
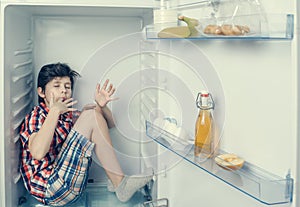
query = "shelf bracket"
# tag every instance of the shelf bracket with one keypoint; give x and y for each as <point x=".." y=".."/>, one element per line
<point x="289" y="186"/>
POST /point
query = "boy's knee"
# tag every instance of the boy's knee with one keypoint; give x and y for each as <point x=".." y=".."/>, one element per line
<point x="87" y="115"/>
<point x="90" y="114"/>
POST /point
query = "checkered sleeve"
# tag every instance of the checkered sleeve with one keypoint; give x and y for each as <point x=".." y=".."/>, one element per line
<point x="32" y="123"/>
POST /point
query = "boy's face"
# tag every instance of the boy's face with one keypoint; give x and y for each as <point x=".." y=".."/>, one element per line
<point x="60" y="87"/>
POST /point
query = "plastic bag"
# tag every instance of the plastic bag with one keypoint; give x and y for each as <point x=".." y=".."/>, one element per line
<point x="232" y="18"/>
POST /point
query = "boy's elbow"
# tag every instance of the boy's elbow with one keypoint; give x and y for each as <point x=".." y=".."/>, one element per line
<point x="37" y="155"/>
<point x="38" y="152"/>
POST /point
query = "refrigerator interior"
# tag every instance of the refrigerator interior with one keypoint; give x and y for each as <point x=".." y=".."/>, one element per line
<point x="35" y="35"/>
<point x="253" y="83"/>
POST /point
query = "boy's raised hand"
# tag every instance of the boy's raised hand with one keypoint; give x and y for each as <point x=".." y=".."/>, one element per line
<point x="62" y="105"/>
<point x="103" y="94"/>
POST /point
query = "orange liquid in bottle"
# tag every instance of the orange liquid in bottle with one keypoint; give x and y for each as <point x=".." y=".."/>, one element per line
<point x="203" y="134"/>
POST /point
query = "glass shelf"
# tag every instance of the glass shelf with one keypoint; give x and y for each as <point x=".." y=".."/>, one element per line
<point x="274" y="27"/>
<point x="255" y="182"/>
<point x="96" y="195"/>
<point x="182" y="4"/>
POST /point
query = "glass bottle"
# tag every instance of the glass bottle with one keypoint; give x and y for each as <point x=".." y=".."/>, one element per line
<point x="165" y="14"/>
<point x="204" y="129"/>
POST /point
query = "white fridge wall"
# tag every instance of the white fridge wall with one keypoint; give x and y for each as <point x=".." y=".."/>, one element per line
<point x="16" y="65"/>
<point x="297" y="65"/>
<point x="74" y="39"/>
<point x="259" y="125"/>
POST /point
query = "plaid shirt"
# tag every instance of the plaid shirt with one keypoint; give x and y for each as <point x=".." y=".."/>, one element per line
<point x="35" y="172"/>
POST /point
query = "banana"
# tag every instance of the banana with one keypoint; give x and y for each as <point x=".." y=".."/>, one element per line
<point x="192" y="23"/>
<point x="175" y="32"/>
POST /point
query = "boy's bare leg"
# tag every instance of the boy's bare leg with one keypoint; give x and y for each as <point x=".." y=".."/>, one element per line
<point x="93" y="126"/>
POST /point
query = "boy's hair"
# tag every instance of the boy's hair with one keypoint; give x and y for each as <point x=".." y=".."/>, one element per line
<point x="50" y="71"/>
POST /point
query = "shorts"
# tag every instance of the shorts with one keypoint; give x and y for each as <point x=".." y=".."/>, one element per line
<point x="70" y="174"/>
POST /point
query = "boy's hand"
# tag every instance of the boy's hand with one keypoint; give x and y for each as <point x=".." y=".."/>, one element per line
<point x="103" y="95"/>
<point x="61" y="105"/>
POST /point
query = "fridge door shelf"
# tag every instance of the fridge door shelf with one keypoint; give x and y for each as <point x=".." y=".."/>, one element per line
<point x="255" y="182"/>
<point x="271" y="27"/>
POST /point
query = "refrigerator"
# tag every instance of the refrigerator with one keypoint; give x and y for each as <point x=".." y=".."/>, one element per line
<point x="252" y="78"/>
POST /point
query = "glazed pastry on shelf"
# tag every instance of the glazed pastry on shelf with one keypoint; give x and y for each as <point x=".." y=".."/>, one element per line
<point x="226" y="29"/>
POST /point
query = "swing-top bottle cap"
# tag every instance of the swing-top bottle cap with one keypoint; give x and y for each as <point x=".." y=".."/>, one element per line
<point x="204" y="93"/>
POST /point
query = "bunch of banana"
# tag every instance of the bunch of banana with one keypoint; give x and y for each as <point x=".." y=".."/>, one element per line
<point x="181" y="31"/>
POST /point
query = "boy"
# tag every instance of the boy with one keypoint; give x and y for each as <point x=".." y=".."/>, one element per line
<point x="57" y="141"/>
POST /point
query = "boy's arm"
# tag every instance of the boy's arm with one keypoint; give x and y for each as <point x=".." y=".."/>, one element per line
<point x="39" y="142"/>
<point x="108" y="116"/>
<point x="102" y="97"/>
<point x="106" y="112"/>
